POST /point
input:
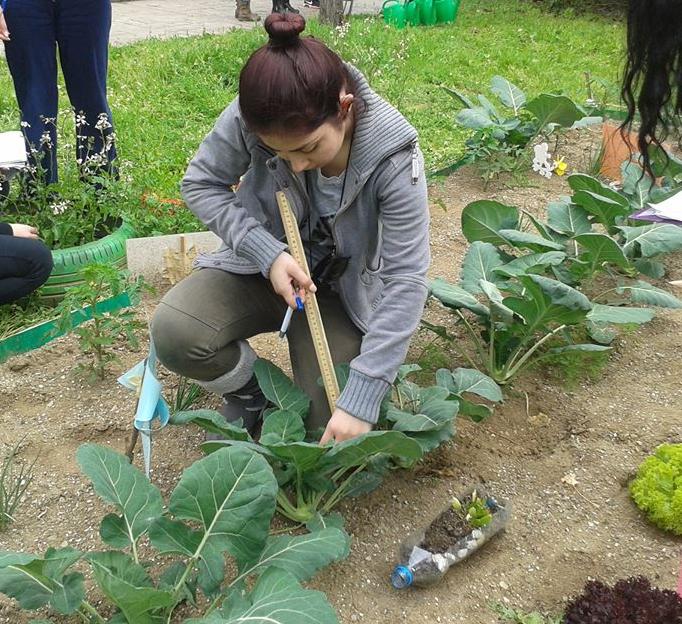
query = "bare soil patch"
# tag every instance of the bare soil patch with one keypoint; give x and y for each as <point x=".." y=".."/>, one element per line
<point x="560" y="534"/>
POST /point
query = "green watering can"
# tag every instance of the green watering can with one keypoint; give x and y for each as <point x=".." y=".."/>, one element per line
<point x="394" y="13"/>
<point x="412" y="13"/>
<point x="427" y="12"/>
<point x="446" y="10"/>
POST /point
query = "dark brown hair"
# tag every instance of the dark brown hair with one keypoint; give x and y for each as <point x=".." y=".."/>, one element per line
<point x="291" y="84"/>
<point x="652" y="83"/>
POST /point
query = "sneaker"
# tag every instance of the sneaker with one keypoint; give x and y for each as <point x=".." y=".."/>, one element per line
<point x="312" y="4"/>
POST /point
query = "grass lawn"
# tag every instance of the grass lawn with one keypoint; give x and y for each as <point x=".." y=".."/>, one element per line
<point x="165" y="95"/>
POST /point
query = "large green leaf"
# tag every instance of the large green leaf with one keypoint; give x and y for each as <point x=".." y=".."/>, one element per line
<point x="357" y="451"/>
<point x="35" y="582"/>
<point x="510" y="95"/>
<point x="282" y="426"/>
<point x="476" y="118"/>
<point x="496" y="300"/>
<point x="479" y="263"/>
<point x="279" y="389"/>
<point x="600" y="250"/>
<point x="483" y="219"/>
<point x="528" y="240"/>
<point x="277" y="598"/>
<point x="173" y="536"/>
<point x="124" y="486"/>
<point x="231" y="495"/>
<point x="547" y="301"/>
<point x="128" y="586"/>
<point x="556" y="109"/>
<point x="643" y="292"/>
<point x="456" y="297"/>
<point x="458" y="97"/>
<point x="568" y="219"/>
<point x="430" y="440"/>
<point x="652" y="240"/>
<point x="636" y="184"/>
<point x="618" y="315"/>
<point x="604" y="209"/>
<point x="211" y="421"/>
<point x="434" y="413"/>
<point x="304" y="455"/>
<point x="584" y="182"/>
<point x="463" y="380"/>
<point x="650" y="268"/>
<point x="301" y="555"/>
<point x="531" y="263"/>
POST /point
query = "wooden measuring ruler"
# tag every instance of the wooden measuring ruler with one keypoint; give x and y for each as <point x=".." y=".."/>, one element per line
<point x="312" y="309"/>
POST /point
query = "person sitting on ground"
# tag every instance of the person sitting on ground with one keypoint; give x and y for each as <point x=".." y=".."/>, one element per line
<point x="307" y="124"/>
<point x="652" y="81"/>
<point x="25" y="261"/>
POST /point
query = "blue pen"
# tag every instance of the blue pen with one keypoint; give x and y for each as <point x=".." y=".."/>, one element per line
<point x="299" y="304"/>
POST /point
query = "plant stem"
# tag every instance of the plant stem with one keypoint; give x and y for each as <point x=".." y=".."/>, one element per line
<point x="533" y="349"/>
<point x="90" y="611"/>
<point x="474" y="337"/>
<point x="339" y="493"/>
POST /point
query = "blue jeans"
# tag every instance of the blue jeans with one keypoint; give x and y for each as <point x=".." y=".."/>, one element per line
<point x="80" y="30"/>
<point x="25" y="264"/>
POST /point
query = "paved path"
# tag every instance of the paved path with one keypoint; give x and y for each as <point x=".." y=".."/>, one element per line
<point x="141" y="19"/>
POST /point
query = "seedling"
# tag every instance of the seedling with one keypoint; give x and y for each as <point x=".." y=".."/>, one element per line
<point x="15" y="478"/>
<point x="98" y="337"/>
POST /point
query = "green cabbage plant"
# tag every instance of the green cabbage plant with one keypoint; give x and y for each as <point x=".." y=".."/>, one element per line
<point x="313" y="479"/>
<point x="221" y="507"/>
<point x="657" y="490"/>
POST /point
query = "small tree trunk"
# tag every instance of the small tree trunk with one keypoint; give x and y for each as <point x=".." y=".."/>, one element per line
<point x="331" y="12"/>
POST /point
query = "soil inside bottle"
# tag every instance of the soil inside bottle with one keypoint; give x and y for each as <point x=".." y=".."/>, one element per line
<point x="447" y="529"/>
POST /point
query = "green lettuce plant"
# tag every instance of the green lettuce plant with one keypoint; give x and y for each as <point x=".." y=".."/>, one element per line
<point x="657" y="490"/>
<point x="313" y="479"/>
<point x="222" y="506"/>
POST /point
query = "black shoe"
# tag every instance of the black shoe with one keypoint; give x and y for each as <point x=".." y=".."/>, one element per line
<point x="312" y="4"/>
<point x="246" y="404"/>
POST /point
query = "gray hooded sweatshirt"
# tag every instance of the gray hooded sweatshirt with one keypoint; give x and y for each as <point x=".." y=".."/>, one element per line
<point x="381" y="225"/>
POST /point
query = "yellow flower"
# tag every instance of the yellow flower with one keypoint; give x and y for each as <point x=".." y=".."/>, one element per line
<point x="560" y="167"/>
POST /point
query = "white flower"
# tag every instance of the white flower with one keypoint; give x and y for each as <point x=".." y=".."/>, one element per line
<point x="81" y="121"/>
<point x="25" y="124"/>
<point x="46" y="140"/>
<point x="103" y="122"/>
<point x="59" y="207"/>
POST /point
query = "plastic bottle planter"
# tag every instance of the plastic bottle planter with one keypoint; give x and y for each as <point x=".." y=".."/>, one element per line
<point x="68" y="262"/>
<point x="416" y="12"/>
<point x="423" y="566"/>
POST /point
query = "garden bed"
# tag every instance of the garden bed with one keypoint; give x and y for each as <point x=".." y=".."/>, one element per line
<point x="562" y="457"/>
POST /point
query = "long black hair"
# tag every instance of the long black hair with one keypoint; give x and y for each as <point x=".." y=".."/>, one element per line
<point x="652" y="82"/>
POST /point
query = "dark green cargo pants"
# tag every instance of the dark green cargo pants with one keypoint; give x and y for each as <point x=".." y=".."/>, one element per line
<point x="202" y="324"/>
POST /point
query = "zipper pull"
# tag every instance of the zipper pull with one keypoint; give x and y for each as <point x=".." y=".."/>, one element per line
<point x="415" y="164"/>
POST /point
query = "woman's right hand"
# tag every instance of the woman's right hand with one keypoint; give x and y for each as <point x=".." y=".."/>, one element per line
<point x="24" y="231"/>
<point x="289" y="279"/>
<point x="4" y="31"/>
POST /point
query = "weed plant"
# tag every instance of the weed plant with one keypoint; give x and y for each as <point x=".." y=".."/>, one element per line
<point x="15" y="478"/>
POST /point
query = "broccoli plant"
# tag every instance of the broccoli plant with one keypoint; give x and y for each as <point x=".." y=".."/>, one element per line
<point x="657" y="490"/>
<point x="222" y="506"/>
<point x="313" y="479"/>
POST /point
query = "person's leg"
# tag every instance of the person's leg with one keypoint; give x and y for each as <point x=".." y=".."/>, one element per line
<point x="201" y="328"/>
<point x="32" y="62"/>
<point x="83" y="38"/>
<point x="243" y="12"/>
<point x="344" y="340"/>
<point x="25" y="264"/>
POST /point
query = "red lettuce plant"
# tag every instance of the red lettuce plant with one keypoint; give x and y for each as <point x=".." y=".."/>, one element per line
<point x="629" y="601"/>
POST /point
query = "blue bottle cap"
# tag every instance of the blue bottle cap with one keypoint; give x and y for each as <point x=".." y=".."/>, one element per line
<point x="401" y="577"/>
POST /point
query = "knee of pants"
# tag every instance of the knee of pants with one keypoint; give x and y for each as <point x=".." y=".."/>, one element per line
<point x="42" y="264"/>
<point x="183" y="344"/>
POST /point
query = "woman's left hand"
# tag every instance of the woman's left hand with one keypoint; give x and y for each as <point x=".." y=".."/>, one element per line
<point x="342" y="426"/>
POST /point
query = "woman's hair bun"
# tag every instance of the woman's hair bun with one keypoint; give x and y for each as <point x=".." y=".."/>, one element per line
<point x="284" y="28"/>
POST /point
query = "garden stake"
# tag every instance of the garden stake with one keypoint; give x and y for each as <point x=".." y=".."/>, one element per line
<point x="312" y="310"/>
